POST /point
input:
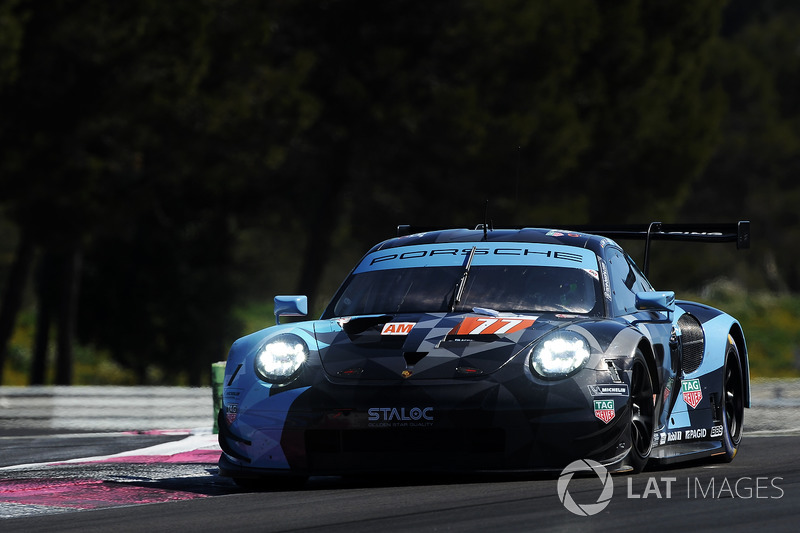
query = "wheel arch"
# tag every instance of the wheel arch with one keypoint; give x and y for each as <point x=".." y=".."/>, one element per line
<point x="737" y="335"/>
<point x="647" y="350"/>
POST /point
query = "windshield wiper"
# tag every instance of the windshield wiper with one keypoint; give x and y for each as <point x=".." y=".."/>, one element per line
<point x="459" y="292"/>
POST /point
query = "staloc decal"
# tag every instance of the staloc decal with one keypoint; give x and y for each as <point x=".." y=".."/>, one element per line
<point x="389" y="414"/>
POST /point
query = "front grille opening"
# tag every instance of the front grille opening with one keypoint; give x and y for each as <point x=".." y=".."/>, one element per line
<point x="405" y="440"/>
<point x="692" y="342"/>
<point x="412" y="358"/>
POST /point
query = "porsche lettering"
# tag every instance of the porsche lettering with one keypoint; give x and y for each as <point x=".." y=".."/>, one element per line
<point x="419" y="254"/>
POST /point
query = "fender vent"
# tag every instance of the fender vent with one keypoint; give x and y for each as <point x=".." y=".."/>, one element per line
<point x="693" y="342"/>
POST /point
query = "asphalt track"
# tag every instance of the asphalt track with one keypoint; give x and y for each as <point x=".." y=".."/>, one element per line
<point x="159" y="481"/>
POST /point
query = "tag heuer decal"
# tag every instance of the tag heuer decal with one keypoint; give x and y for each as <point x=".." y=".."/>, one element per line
<point x="604" y="410"/>
<point x="692" y="392"/>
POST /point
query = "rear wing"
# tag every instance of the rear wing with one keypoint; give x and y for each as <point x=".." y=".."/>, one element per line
<point x="738" y="232"/>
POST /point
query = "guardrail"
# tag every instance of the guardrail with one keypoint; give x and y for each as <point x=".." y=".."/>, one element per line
<point x="104" y="408"/>
<point x="776" y="407"/>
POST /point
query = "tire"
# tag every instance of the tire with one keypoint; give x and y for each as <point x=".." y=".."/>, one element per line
<point x="642" y="414"/>
<point x="732" y="402"/>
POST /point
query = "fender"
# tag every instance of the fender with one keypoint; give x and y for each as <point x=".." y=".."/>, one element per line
<point x="717" y="326"/>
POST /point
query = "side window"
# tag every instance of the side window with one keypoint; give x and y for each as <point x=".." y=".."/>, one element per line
<point x="624" y="281"/>
<point x="640" y="284"/>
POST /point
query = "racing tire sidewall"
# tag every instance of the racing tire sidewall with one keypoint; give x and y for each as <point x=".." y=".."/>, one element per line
<point x="641" y="405"/>
<point x="732" y="408"/>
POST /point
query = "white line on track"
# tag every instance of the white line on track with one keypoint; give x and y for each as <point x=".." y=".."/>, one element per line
<point x="205" y="441"/>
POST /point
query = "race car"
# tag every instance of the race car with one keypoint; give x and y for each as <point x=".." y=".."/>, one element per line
<point x="486" y="350"/>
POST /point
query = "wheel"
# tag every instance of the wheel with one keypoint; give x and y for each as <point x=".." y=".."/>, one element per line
<point x="732" y="402"/>
<point x="642" y="414"/>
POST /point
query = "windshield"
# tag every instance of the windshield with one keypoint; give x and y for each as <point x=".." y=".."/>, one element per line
<point x="504" y="288"/>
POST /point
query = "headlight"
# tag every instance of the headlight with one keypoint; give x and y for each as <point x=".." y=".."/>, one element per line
<point x="281" y="357"/>
<point x="560" y="354"/>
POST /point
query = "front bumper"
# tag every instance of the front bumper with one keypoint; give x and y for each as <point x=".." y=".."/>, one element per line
<point x="433" y="427"/>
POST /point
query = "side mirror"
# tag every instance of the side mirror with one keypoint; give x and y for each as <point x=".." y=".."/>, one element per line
<point x="290" y="306"/>
<point x="663" y="301"/>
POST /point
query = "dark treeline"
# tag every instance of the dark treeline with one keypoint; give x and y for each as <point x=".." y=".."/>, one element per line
<point x="166" y="162"/>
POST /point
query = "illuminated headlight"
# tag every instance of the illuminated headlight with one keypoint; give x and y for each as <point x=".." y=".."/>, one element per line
<point x="281" y="357"/>
<point x="560" y="354"/>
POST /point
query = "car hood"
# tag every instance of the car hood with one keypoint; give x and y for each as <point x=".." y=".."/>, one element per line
<point x="425" y="346"/>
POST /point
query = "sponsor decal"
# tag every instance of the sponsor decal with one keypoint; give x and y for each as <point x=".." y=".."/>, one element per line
<point x="620" y="389"/>
<point x="397" y="328"/>
<point x="696" y="433"/>
<point x="231" y="411"/>
<point x="474" y="325"/>
<point x="716" y="431"/>
<point x="606" y="282"/>
<point x="604" y="410"/>
<point x="664" y="437"/>
<point x="594" y="273"/>
<point x="692" y="392"/>
<point x="400" y="416"/>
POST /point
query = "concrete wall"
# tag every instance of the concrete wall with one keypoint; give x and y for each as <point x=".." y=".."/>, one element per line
<point x="106" y="408"/>
<point x="776" y="408"/>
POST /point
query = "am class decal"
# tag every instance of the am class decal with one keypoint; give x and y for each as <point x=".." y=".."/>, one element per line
<point x="397" y="328"/>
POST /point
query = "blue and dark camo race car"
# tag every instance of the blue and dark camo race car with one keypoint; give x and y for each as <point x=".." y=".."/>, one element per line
<point x="490" y="350"/>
